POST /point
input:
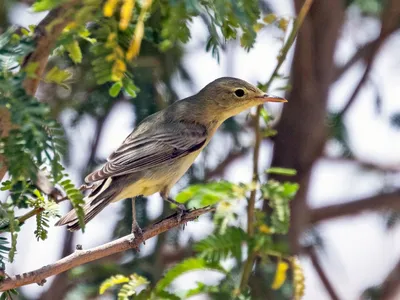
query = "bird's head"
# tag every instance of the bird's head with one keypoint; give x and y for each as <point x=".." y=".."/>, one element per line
<point x="230" y="96"/>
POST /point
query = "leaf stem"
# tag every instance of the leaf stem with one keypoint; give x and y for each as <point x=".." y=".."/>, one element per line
<point x="256" y="153"/>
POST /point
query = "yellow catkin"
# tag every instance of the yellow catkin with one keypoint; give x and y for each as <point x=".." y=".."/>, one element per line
<point x="134" y="47"/>
<point x="126" y="13"/>
<point x="109" y="7"/>
<point x="280" y="275"/>
<point x="118" y="70"/>
<point x="265" y="229"/>
<point x="298" y="279"/>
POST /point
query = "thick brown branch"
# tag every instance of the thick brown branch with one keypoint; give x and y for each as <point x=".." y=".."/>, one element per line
<point x="5" y="127"/>
<point x="377" y="202"/>
<point x="80" y="257"/>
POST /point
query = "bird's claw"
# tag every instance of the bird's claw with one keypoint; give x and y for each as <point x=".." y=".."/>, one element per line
<point x="181" y="211"/>
<point x="137" y="234"/>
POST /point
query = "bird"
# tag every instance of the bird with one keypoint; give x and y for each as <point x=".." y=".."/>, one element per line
<point x="163" y="146"/>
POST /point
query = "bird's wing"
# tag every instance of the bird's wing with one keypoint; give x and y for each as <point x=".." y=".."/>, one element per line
<point x="141" y="152"/>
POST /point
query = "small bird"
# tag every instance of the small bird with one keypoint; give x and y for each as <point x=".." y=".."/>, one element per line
<point x="163" y="147"/>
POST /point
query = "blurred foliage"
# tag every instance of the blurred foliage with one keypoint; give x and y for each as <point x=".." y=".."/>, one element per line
<point x="127" y="51"/>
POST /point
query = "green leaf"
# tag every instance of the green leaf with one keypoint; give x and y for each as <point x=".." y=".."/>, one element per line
<point x="31" y="68"/>
<point x="282" y="171"/>
<point x="42" y="5"/>
<point x="115" y="89"/>
<point x="201" y="195"/>
<point x="57" y="76"/>
<point x="218" y="247"/>
<point x="190" y="264"/>
<point x="74" y="51"/>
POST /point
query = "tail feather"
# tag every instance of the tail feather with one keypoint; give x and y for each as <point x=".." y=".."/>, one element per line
<point x="95" y="204"/>
<point x="90" y="209"/>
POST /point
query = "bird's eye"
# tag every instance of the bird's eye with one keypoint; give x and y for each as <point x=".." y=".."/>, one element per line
<point x="239" y="93"/>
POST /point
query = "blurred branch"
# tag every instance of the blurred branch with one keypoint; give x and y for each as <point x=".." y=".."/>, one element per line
<point x="363" y="52"/>
<point x="5" y="127"/>
<point x="321" y="273"/>
<point x="377" y="202"/>
<point x="220" y="168"/>
<point x="390" y="287"/>
<point x="258" y="136"/>
<point x="364" y="164"/>
<point x="390" y="22"/>
<point x="80" y="257"/>
<point x="46" y="34"/>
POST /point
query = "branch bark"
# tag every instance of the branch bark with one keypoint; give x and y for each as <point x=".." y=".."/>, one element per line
<point x="80" y="257"/>
<point x="377" y="202"/>
<point x="302" y="131"/>
<point x="5" y="127"/>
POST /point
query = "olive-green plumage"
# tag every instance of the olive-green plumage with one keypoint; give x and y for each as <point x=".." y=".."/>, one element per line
<point x="164" y="145"/>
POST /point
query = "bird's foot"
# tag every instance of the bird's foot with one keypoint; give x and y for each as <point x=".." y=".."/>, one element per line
<point x="181" y="212"/>
<point x="137" y="235"/>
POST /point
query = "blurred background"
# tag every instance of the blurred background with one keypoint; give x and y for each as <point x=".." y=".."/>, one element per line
<point x="340" y="130"/>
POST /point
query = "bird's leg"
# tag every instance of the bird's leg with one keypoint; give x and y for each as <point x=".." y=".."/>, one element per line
<point x="181" y="209"/>
<point x="136" y="230"/>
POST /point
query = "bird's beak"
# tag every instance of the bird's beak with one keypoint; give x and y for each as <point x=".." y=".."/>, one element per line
<point x="272" y="98"/>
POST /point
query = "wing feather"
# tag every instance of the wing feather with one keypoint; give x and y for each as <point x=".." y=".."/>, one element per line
<point x="144" y="151"/>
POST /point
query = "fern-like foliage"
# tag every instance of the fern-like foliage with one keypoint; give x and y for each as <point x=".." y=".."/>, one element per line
<point x="34" y="144"/>
<point x="190" y="264"/>
<point x="129" y="287"/>
<point x="111" y="282"/>
<point x="278" y="196"/>
<point x="76" y="198"/>
<point x="218" y="247"/>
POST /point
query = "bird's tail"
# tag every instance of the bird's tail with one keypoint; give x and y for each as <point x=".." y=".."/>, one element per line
<point x="96" y="202"/>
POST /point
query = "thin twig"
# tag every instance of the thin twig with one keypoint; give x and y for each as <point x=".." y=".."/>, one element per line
<point x="390" y="23"/>
<point x="252" y="199"/>
<point x="318" y="268"/>
<point x="80" y="257"/>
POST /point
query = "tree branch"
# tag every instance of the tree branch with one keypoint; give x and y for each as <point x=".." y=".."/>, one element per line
<point x="377" y="202"/>
<point x="363" y="52"/>
<point x="318" y="268"/>
<point x="390" y="23"/>
<point x="80" y="257"/>
<point x="46" y="35"/>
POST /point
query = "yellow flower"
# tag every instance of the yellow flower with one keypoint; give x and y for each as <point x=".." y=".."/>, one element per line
<point x="126" y="13"/>
<point x="265" y="229"/>
<point x="109" y="7"/>
<point x="280" y="275"/>
<point x="118" y="70"/>
<point x="134" y="47"/>
<point x="298" y="279"/>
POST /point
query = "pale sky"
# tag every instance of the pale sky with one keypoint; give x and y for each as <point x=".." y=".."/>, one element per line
<point x="359" y="251"/>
